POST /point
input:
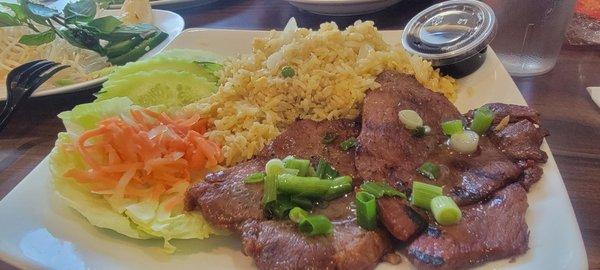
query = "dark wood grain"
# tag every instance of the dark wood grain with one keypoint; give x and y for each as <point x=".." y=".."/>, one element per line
<point x="567" y="110"/>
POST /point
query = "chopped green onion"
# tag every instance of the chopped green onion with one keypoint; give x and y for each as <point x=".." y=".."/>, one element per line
<point x="429" y="170"/>
<point x="256" y="177"/>
<point x="380" y="189"/>
<point x="421" y="131"/>
<point x="301" y="165"/>
<point x="482" y="120"/>
<point x="329" y="138"/>
<point x="302" y="202"/>
<point x="339" y="186"/>
<point x="272" y="168"/>
<point x="349" y="144"/>
<point x="288" y="72"/>
<point x="315" y="225"/>
<point x="290" y="171"/>
<point x="423" y="193"/>
<point x="269" y="190"/>
<point x="297" y="214"/>
<point x="325" y="171"/>
<point x="452" y="127"/>
<point x="311" y="187"/>
<point x="366" y="210"/>
<point x="445" y="210"/>
<point x="465" y="142"/>
<point x="280" y="208"/>
<point x="410" y="119"/>
<point x="311" y="171"/>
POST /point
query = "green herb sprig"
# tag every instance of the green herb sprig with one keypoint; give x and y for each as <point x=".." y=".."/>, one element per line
<point x="76" y="23"/>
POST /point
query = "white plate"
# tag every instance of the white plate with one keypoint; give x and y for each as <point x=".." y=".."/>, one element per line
<point x="37" y="229"/>
<point x="342" y="7"/>
<point x="169" y="22"/>
<point x="159" y="3"/>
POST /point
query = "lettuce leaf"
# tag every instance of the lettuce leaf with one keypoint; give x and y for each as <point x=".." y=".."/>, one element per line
<point x="93" y="207"/>
<point x="135" y="219"/>
<point x="86" y="116"/>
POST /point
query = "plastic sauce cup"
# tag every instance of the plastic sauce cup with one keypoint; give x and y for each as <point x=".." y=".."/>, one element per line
<point x="453" y="35"/>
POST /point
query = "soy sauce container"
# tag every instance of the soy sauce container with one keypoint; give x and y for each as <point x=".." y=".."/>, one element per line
<point x="453" y="35"/>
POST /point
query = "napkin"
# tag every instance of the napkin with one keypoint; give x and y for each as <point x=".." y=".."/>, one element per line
<point x="595" y="94"/>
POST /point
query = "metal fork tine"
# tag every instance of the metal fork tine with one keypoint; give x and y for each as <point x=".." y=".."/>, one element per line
<point x="17" y="72"/>
<point x="44" y="77"/>
<point x="36" y="71"/>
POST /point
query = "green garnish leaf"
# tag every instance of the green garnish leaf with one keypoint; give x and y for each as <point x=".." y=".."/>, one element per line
<point x="349" y="144"/>
<point x="8" y="20"/>
<point x="38" y="39"/>
<point x="17" y="10"/>
<point x="82" y="38"/>
<point x="80" y="11"/>
<point x="329" y="138"/>
<point x="429" y="170"/>
<point x="105" y="25"/>
<point x="288" y="72"/>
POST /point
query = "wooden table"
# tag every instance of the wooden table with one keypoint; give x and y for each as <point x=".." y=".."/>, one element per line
<point x="560" y="96"/>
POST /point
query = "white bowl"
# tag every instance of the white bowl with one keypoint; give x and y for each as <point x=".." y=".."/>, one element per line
<point x="342" y="7"/>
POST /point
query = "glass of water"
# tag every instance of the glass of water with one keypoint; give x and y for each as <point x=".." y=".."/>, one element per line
<point x="530" y="33"/>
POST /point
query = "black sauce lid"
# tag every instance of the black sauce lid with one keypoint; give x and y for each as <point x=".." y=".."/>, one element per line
<point x="450" y="32"/>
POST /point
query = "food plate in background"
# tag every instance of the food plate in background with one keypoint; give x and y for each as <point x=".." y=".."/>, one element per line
<point x="169" y="22"/>
<point x="342" y="7"/>
<point x="158" y="3"/>
<point x="40" y="231"/>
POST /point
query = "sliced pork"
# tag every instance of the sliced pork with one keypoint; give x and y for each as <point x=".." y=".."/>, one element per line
<point x="490" y="230"/>
<point x="279" y="245"/>
<point x="307" y="139"/>
<point x="388" y="150"/>
<point x="225" y="200"/>
<point x="516" y="113"/>
<point x="521" y="141"/>
<point x="228" y="203"/>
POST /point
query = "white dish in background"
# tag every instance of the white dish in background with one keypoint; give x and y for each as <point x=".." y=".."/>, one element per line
<point x="169" y="22"/>
<point x="342" y="7"/>
<point x="159" y="3"/>
<point x="39" y="230"/>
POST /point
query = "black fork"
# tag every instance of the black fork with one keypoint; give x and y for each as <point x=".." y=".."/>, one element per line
<point x="22" y="81"/>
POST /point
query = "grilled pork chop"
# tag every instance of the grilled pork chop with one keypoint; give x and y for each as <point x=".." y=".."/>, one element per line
<point x="387" y="149"/>
<point x="279" y="245"/>
<point x="480" y="183"/>
<point x="228" y="203"/>
<point x="490" y="230"/>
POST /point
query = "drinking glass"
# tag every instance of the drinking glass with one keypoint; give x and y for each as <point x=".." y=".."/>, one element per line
<point x="530" y="33"/>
